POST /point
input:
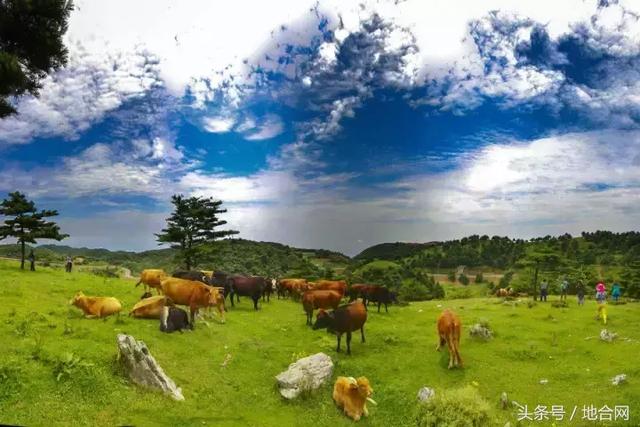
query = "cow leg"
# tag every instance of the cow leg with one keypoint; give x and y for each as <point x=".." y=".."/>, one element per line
<point x="441" y="342"/>
<point x="386" y="307"/>
<point x="339" y="339"/>
<point x="379" y="303"/>
<point x="255" y="302"/>
<point x="349" y="342"/>
<point x="362" y="333"/>
<point x="231" y="297"/>
<point x="193" y="310"/>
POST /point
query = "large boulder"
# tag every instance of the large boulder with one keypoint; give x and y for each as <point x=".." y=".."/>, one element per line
<point x="305" y="375"/>
<point x="142" y="368"/>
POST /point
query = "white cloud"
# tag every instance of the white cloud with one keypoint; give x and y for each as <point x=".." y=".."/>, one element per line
<point x="270" y="127"/>
<point x="219" y="124"/>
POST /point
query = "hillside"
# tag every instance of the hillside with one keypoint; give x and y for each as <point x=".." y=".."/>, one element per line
<point x="392" y="251"/>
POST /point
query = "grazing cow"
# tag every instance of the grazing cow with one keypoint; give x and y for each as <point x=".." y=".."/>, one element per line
<point x="150" y="308"/>
<point x="346" y="318"/>
<point x="195" y="275"/>
<point x="287" y="286"/>
<point x="152" y="278"/>
<point x="194" y="294"/>
<point x="174" y="319"/>
<point x="146" y="295"/>
<point x="312" y="300"/>
<point x="380" y="295"/>
<point x="247" y="286"/>
<point x="271" y="285"/>
<point x="352" y="396"/>
<point x="332" y="285"/>
<point x="96" y="306"/>
<point x="449" y="332"/>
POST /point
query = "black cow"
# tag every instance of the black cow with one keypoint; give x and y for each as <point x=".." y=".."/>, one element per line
<point x="380" y="295"/>
<point x="221" y="279"/>
<point x="195" y="275"/>
<point x="247" y="286"/>
<point x="174" y="319"/>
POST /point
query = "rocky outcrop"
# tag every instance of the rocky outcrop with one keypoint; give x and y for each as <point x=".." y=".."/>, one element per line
<point x="305" y="375"/>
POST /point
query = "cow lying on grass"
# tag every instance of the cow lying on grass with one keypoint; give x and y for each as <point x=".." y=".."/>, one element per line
<point x="352" y="395"/>
<point x="449" y="332"/>
<point x="174" y="319"/>
<point x="96" y="306"/>
<point x="150" y="308"/>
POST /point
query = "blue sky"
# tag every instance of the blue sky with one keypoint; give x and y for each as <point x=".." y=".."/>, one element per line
<point x="337" y="124"/>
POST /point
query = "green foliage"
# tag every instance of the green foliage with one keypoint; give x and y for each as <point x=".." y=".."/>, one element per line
<point x="479" y="278"/>
<point x="451" y="276"/>
<point x="455" y="408"/>
<point x="630" y="280"/>
<point x="31" y="45"/>
<point x="391" y="251"/>
<point x="505" y="280"/>
<point x="192" y="223"/>
<point x="67" y="365"/>
<point x="26" y="223"/>
<point x="463" y="279"/>
<point x="10" y="383"/>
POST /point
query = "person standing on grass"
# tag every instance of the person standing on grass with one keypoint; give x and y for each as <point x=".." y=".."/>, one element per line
<point x="615" y="292"/>
<point x="544" y="287"/>
<point x="601" y="299"/>
<point x="564" y="287"/>
<point x="68" y="264"/>
<point x="580" y="293"/>
<point x="32" y="260"/>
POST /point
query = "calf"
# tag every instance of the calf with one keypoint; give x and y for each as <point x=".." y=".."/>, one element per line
<point x="449" y="332"/>
<point x="352" y="396"/>
<point x="346" y="318"/>
<point x="313" y="299"/>
<point x="174" y="319"/>
<point x="96" y="306"/>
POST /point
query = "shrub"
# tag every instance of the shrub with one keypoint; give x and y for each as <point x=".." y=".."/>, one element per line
<point x="463" y="279"/>
<point x="505" y="280"/>
<point x="453" y="408"/>
<point x="451" y="276"/>
<point x="10" y="383"/>
<point x="479" y="278"/>
<point x="67" y="365"/>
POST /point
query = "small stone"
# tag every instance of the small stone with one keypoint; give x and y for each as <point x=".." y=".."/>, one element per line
<point x="544" y="381"/>
<point x="425" y="393"/>
<point x="481" y="331"/>
<point x="619" y="379"/>
<point x="607" y="336"/>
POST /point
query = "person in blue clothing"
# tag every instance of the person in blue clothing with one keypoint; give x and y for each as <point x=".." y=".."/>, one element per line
<point x="616" y="291"/>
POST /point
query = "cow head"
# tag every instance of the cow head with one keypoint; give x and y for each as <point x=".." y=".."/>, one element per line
<point x="274" y="284"/>
<point x="324" y="320"/>
<point x="364" y="389"/>
<point x="77" y="297"/>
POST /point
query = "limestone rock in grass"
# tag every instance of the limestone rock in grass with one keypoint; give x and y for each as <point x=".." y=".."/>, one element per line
<point x="304" y="375"/>
<point x="142" y="368"/>
<point x="619" y="379"/>
<point x="480" y="331"/>
<point x="607" y="336"/>
<point x="425" y="393"/>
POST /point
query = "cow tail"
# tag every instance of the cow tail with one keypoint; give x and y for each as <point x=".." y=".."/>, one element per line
<point x="139" y="281"/>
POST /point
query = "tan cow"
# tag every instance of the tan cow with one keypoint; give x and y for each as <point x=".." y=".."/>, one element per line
<point x="150" y="308"/>
<point x="352" y="396"/>
<point x="339" y="286"/>
<point x="96" y="306"/>
<point x="194" y="294"/>
<point x="152" y="278"/>
<point x="449" y="326"/>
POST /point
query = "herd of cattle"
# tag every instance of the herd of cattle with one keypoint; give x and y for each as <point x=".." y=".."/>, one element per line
<point x="206" y="289"/>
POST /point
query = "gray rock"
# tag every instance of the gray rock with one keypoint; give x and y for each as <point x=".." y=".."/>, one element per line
<point x="142" y="368"/>
<point x="504" y="400"/>
<point x="425" y="393"/>
<point x="619" y="379"/>
<point x="481" y="331"/>
<point x="607" y="336"/>
<point x="305" y="375"/>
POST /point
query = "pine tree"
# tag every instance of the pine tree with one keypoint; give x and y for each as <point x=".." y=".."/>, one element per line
<point x="192" y="223"/>
<point x="30" y="45"/>
<point x="27" y="223"/>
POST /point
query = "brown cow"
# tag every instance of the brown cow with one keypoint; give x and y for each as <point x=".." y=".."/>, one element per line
<point x="339" y="286"/>
<point x="194" y="294"/>
<point x="152" y="278"/>
<point x="287" y="286"/>
<point x="346" y="318"/>
<point x="96" y="306"/>
<point x="356" y="291"/>
<point x="504" y="292"/>
<point x="313" y="299"/>
<point x="352" y="396"/>
<point x="150" y="308"/>
<point x="449" y="332"/>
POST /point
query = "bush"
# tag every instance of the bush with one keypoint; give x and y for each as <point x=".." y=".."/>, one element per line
<point x="453" y="408"/>
<point x="479" y="278"/>
<point x="451" y="276"/>
<point x="463" y="279"/>
<point x="505" y="280"/>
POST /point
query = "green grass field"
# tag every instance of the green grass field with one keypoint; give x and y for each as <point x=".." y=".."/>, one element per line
<point x="38" y="327"/>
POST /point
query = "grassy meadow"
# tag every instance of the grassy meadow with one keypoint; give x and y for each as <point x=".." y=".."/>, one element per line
<point x="57" y="368"/>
